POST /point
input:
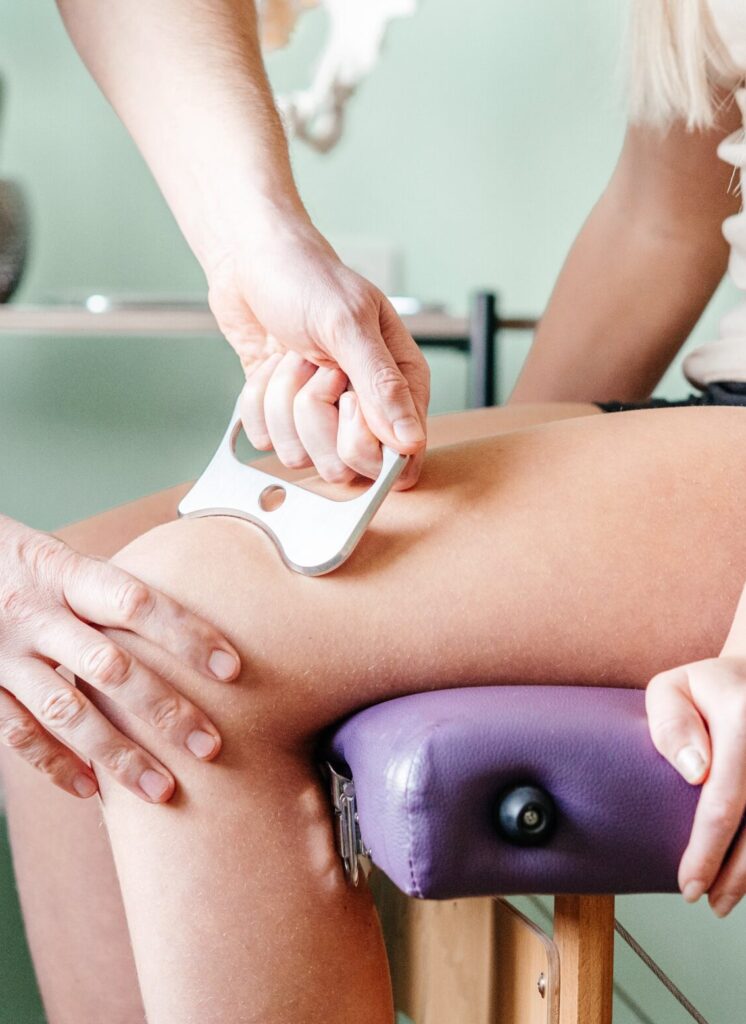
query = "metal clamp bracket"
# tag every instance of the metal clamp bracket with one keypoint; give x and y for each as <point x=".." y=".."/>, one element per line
<point x="349" y="840"/>
<point x="313" y="534"/>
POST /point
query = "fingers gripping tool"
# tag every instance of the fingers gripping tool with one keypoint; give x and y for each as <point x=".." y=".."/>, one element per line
<point x="313" y="534"/>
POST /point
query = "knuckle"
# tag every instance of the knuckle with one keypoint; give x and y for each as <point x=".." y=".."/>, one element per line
<point x="117" y="758"/>
<point x="133" y="599"/>
<point x="335" y="380"/>
<point x="16" y="605"/>
<point x="304" y="401"/>
<point x="388" y="383"/>
<point x="36" y="563"/>
<point x="350" y="327"/>
<point x="106" y="664"/>
<point x="346" y="449"/>
<point x="418" y="373"/>
<point x="18" y="732"/>
<point x="41" y="553"/>
<point x="51" y="762"/>
<point x="258" y="437"/>
<point x="253" y="392"/>
<point x="733" y="878"/>
<point x="293" y="456"/>
<point x="354" y="447"/>
<point x="332" y="469"/>
<point x="658" y="682"/>
<point x="166" y="713"/>
<point x="336" y="473"/>
<point x="420" y="390"/>
<point x="291" y="366"/>
<point x="64" y="707"/>
<point x="723" y="812"/>
<point x="353" y="468"/>
<point x="358" y="309"/>
<point x="667" y="732"/>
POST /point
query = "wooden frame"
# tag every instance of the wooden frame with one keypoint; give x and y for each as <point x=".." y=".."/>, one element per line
<point x="480" y="961"/>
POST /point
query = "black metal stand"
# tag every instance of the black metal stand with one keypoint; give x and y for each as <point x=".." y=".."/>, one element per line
<point x="483" y="344"/>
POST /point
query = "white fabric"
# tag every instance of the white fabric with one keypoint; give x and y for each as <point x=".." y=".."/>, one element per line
<point x="726" y="359"/>
<point x="356" y="32"/>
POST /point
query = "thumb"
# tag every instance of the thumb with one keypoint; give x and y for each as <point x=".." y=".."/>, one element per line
<point x="676" y="726"/>
<point x="384" y="394"/>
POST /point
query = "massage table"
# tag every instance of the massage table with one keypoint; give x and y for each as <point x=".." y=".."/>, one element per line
<point x="461" y="797"/>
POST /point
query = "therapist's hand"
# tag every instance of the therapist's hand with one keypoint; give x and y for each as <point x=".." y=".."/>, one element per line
<point x="697" y="717"/>
<point x="306" y="328"/>
<point x="53" y="604"/>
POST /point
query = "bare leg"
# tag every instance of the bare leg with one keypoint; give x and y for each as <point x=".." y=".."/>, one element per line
<point x="71" y="898"/>
<point x="590" y="551"/>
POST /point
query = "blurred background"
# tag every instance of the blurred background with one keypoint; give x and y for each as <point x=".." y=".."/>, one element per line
<point x="469" y="159"/>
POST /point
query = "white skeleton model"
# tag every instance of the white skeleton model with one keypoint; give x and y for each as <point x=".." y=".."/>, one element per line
<point x="356" y="33"/>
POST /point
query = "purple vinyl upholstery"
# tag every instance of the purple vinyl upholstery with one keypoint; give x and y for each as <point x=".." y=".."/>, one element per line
<point x="430" y="769"/>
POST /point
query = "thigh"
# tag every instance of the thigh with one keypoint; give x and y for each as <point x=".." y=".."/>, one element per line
<point x="594" y="551"/>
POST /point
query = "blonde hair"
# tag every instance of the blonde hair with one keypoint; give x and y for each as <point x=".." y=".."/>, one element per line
<point x="678" y="64"/>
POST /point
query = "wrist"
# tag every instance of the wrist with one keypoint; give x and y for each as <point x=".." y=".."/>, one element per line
<point x="261" y="226"/>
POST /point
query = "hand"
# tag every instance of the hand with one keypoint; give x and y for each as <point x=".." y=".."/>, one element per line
<point x="697" y="718"/>
<point x="305" y="327"/>
<point x="53" y="604"/>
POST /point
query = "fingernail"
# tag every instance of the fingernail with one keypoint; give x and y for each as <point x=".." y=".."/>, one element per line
<point x="724" y="904"/>
<point x="223" y="665"/>
<point x="408" y="430"/>
<point x="84" y="785"/>
<point x="153" y="784"/>
<point x="692" y="891"/>
<point x="201" y="744"/>
<point x="691" y="764"/>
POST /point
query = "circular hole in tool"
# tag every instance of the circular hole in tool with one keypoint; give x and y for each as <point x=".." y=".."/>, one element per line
<point x="271" y="498"/>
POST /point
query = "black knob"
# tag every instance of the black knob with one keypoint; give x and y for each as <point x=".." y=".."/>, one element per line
<point x="526" y="815"/>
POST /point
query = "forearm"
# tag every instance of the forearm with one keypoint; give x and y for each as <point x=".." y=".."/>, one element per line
<point x="639" y="275"/>
<point x="624" y="303"/>
<point x="187" y="79"/>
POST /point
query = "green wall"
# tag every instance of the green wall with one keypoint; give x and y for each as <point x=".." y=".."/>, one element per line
<point x="475" y="151"/>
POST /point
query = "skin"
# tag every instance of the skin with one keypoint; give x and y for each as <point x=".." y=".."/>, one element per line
<point x="655" y="478"/>
<point x="76" y="918"/>
<point x="187" y="79"/>
<point x="240" y="306"/>
<point x="697" y="716"/>
<point x="534" y="616"/>
<point x="641" y="271"/>
<point x="54" y="603"/>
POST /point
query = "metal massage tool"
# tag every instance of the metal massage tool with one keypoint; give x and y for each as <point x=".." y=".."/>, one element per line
<point x="313" y="534"/>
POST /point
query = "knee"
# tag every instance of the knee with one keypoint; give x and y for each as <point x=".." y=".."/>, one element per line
<point x="229" y="573"/>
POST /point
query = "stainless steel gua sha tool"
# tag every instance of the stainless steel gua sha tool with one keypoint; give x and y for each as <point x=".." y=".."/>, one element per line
<point x="313" y="534"/>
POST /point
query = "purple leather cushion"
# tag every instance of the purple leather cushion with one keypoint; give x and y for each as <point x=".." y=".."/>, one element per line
<point x="429" y="769"/>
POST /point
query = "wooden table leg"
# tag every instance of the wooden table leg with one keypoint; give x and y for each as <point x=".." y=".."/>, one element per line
<point x="584" y="937"/>
<point x="468" y="961"/>
<point x="527" y="970"/>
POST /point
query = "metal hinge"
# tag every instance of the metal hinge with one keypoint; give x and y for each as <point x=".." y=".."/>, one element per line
<point x="352" y="849"/>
